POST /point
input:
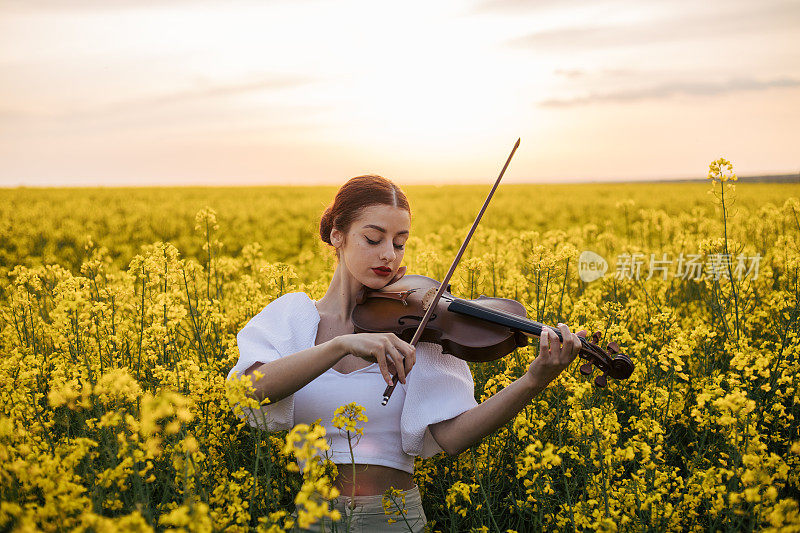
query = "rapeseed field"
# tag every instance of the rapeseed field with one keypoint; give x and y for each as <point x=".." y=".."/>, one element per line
<point x="119" y="310"/>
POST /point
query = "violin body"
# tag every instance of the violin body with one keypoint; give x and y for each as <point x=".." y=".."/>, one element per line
<point x="479" y="330"/>
<point x="399" y="308"/>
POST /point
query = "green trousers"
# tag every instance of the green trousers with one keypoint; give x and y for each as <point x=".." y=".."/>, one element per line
<point x="366" y="514"/>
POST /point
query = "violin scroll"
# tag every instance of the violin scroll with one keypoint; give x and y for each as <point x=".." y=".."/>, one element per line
<point x="610" y="361"/>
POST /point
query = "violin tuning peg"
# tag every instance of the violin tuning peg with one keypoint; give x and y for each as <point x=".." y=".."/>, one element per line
<point x="613" y="348"/>
<point x="596" y="336"/>
<point x="600" y="381"/>
<point x="586" y="369"/>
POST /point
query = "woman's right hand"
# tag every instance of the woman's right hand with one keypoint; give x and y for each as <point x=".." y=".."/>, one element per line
<point x="393" y="354"/>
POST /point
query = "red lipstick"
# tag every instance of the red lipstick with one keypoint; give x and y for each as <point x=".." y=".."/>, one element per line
<point x="382" y="271"/>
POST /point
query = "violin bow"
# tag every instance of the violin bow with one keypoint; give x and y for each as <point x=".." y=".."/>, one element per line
<point x="390" y="388"/>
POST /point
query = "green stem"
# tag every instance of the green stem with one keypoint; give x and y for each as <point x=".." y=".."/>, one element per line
<point x="483" y="491"/>
<point x="730" y="273"/>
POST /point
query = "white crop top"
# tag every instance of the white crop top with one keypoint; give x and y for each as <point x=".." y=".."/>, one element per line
<point x="439" y="387"/>
<point x="380" y="442"/>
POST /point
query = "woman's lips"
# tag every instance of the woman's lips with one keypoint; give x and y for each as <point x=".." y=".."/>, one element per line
<point x="381" y="272"/>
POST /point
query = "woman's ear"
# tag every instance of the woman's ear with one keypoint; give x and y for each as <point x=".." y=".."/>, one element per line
<point x="336" y="238"/>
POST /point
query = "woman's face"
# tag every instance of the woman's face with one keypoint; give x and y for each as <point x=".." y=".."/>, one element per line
<point x="376" y="239"/>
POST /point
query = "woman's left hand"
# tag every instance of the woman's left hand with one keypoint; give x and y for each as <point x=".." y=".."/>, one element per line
<point x="363" y="290"/>
<point x="400" y="273"/>
<point x="555" y="356"/>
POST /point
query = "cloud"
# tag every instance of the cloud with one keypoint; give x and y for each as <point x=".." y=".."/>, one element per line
<point x="105" y="5"/>
<point x="204" y="91"/>
<point x="580" y="37"/>
<point x="698" y="25"/>
<point x="580" y="73"/>
<point x="213" y="91"/>
<point x="570" y="73"/>
<point x="668" y="90"/>
<point x="524" y="6"/>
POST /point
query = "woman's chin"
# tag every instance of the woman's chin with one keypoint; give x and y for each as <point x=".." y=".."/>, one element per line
<point x="375" y="284"/>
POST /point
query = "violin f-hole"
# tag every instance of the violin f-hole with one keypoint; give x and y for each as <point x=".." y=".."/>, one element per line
<point x="415" y="317"/>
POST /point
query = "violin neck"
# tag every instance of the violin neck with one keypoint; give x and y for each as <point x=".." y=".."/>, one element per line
<point x="529" y="327"/>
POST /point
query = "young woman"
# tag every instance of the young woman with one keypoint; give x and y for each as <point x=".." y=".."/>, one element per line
<point x="312" y="363"/>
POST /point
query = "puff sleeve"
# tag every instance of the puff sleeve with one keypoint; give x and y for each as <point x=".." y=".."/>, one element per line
<point x="285" y="326"/>
<point x="439" y="387"/>
<point x="255" y="347"/>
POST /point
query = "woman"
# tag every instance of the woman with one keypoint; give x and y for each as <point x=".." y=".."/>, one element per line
<point x="312" y="363"/>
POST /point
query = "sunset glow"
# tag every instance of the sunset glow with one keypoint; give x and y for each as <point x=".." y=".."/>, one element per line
<point x="185" y="92"/>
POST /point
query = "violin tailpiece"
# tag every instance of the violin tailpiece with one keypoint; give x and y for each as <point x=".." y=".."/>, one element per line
<point x="401" y="296"/>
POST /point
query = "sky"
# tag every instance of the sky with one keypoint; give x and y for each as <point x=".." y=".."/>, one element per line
<point x="296" y="92"/>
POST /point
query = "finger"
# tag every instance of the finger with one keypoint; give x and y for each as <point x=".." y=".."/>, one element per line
<point x="543" y="341"/>
<point x="572" y="345"/>
<point x="577" y="344"/>
<point x="399" y="364"/>
<point x="384" y="368"/>
<point x="566" y="338"/>
<point x="400" y="273"/>
<point x="409" y="353"/>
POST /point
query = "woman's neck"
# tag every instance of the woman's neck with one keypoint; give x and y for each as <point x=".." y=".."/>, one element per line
<point x="342" y="295"/>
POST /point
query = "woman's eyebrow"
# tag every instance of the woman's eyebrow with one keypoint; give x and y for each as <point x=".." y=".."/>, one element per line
<point x="383" y="230"/>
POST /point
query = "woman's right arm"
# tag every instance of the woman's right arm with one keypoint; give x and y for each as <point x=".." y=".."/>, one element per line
<point x="287" y="375"/>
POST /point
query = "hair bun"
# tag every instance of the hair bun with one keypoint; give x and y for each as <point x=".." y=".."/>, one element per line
<point x="326" y="225"/>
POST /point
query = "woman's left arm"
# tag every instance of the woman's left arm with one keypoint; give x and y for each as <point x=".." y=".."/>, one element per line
<point x="463" y="431"/>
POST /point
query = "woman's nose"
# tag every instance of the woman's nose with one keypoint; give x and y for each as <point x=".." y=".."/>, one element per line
<point x="388" y="253"/>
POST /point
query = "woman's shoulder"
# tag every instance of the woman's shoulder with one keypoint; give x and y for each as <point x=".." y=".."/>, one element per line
<point x="286" y="307"/>
<point x="286" y="322"/>
<point x="289" y="299"/>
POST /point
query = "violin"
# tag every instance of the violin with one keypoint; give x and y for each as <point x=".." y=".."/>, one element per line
<point x="480" y="330"/>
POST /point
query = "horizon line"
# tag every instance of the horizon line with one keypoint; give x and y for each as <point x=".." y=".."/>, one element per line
<point x="789" y="177"/>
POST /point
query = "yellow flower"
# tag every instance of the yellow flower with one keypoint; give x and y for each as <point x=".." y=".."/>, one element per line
<point x="459" y="493"/>
<point x="394" y="497"/>
<point x="347" y="416"/>
<point x="721" y="170"/>
<point x="316" y="486"/>
<point x="206" y="217"/>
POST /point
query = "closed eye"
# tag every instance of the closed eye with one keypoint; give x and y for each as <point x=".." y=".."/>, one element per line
<point x="399" y="247"/>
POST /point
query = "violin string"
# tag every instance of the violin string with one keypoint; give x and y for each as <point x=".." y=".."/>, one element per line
<point x="502" y="314"/>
